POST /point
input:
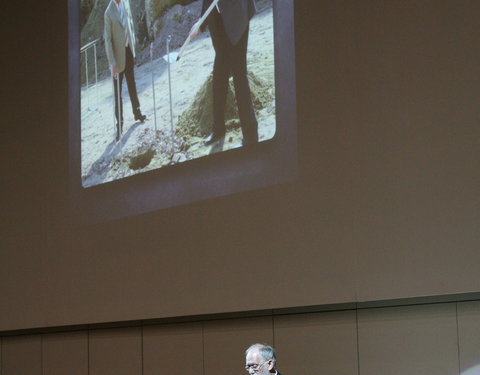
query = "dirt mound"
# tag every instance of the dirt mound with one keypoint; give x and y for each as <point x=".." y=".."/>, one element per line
<point x="197" y="119"/>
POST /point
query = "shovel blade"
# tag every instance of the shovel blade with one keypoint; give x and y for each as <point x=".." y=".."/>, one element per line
<point x="171" y="57"/>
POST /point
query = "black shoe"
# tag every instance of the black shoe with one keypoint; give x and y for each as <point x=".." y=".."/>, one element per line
<point x="213" y="138"/>
<point x="249" y="142"/>
<point x="140" y="117"/>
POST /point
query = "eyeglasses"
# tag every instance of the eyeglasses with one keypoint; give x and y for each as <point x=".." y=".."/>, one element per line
<point x="254" y="366"/>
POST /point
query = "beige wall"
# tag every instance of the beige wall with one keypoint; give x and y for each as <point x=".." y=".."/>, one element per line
<point x="385" y="205"/>
<point x="440" y="339"/>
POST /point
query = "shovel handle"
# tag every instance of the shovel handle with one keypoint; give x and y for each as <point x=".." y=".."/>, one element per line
<point x="200" y="22"/>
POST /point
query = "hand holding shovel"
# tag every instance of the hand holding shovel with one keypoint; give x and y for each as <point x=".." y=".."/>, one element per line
<point x="175" y="56"/>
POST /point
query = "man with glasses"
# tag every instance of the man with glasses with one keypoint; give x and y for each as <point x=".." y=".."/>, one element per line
<point x="260" y="359"/>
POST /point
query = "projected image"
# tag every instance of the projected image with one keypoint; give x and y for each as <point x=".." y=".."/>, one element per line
<point x="167" y="81"/>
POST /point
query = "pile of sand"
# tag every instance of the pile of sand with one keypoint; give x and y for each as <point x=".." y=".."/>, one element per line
<point x="197" y="119"/>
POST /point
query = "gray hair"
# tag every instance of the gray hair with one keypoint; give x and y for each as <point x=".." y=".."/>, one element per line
<point x="266" y="351"/>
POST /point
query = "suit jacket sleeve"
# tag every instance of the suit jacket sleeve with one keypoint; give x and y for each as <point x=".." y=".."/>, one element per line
<point x="131" y="26"/>
<point x="108" y="40"/>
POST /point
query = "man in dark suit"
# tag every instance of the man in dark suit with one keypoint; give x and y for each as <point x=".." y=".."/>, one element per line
<point x="229" y="26"/>
<point x="120" y="47"/>
<point x="260" y="359"/>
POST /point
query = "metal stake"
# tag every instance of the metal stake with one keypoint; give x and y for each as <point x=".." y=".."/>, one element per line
<point x="119" y="105"/>
<point x="153" y="89"/>
<point x="113" y="96"/>
<point x="96" y="73"/>
<point x="86" y="77"/>
<point x="119" y="119"/>
<point x="170" y="89"/>
<point x="120" y="122"/>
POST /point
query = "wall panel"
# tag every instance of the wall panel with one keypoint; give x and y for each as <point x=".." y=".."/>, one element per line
<point x="65" y="353"/>
<point x="318" y="343"/>
<point x="469" y="337"/>
<point x="115" y="351"/>
<point x="440" y="339"/>
<point x="419" y="340"/>
<point x="22" y="355"/>
<point x="166" y="348"/>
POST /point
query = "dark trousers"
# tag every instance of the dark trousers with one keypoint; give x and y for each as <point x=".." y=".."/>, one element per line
<point x="231" y="60"/>
<point x="132" y="88"/>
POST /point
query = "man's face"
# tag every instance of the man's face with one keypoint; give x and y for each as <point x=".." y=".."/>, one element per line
<point x="255" y="364"/>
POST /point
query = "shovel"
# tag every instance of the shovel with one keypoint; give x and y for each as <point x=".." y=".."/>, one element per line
<point x="175" y="56"/>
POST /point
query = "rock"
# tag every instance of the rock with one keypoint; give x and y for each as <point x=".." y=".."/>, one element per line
<point x="85" y="9"/>
<point x="93" y="27"/>
<point x="176" y="22"/>
<point x="154" y="9"/>
<point x="178" y="158"/>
